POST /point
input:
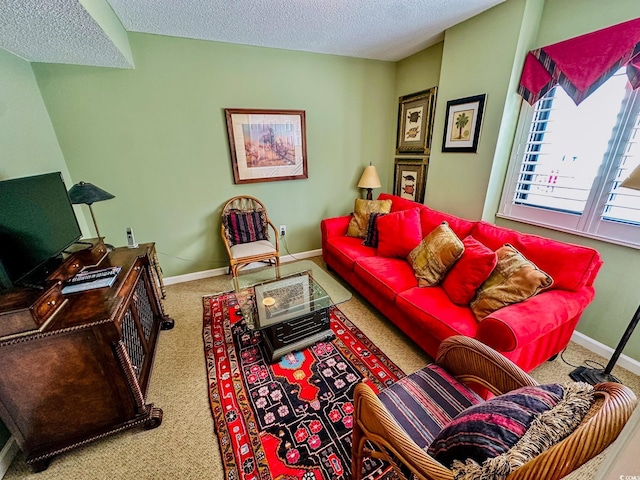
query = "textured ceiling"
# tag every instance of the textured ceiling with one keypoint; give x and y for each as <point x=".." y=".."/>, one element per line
<point x="375" y="29"/>
<point x="56" y="31"/>
<point x="61" y="31"/>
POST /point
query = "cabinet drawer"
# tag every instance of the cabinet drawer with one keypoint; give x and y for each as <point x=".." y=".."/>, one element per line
<point x="47" y="305"/>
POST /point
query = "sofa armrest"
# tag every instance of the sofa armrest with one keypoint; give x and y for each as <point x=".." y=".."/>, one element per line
<point x="334" y="227"/>
<point x="524" y="322"/>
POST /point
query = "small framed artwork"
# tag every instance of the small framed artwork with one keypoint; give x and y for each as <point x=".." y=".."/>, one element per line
<point x="415" y="122"/>
<point x="410" y="178"/>
<point x="267" y="145"/>
<point x="462" y="128"/>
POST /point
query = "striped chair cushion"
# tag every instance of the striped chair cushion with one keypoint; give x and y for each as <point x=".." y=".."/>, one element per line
<point x="424" y="402"/>
<point x="245" y="227"/>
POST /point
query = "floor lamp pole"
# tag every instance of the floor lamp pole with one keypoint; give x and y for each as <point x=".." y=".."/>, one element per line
<point x="592" y="375"/>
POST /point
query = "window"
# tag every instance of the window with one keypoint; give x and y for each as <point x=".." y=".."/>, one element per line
<point x="568" y="162"/>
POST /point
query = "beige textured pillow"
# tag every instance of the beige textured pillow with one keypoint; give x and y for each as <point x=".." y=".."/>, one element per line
<point x="435" y="255"/>
<point x="361" y="211"/>
<point x="513" y="280"/>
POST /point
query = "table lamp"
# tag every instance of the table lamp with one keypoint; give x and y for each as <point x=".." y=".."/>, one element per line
<point x="369" y="180"/>
<point x="596" y="375"/>
<point x="87" y="193"/>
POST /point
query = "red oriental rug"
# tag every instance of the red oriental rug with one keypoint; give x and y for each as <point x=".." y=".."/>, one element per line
<point x="292" y="419"/>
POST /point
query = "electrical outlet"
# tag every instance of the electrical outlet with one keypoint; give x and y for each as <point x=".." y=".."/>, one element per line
<point x="283" y="230"/>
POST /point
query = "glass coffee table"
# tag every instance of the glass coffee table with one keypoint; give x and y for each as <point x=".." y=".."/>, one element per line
<point x="292" y="311"/>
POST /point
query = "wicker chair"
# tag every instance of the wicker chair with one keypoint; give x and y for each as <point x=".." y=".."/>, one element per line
<point x="242" y="253"/>
<point x="473" y="363"/>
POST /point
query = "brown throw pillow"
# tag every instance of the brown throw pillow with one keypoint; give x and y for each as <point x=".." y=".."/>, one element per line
<point x="435" y="255"/>
<point x="361" y="211"/>
<point x="513" y="280"/>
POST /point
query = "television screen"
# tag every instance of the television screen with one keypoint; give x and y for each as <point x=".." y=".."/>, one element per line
<point x="37" y="223"/>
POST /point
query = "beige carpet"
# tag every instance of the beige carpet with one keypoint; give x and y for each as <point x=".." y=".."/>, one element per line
<point x="185" y="445"/>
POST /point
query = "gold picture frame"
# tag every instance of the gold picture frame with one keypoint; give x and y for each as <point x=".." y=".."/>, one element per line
<point x="415" y="122"/>
<point x="267" y="145"/>
<point x="410" y="178"/>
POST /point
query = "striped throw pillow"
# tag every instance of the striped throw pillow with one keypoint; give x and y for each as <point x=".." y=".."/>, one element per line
<point x="371" y="238"/>
<point x="491" y="439"/>
<point x="246" y="227"/>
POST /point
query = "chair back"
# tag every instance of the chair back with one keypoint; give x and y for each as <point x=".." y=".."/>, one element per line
<point x="243" y="204"/>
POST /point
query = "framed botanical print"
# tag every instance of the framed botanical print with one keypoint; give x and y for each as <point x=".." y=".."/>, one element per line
<point x="410" y="178"/>
<point x="415" y="122"/>
<point x="462" y="127"/>
<point x="267" y="145"/>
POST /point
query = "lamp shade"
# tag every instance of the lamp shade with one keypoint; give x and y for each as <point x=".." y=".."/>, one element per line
<point x="633" y="180"/>
<point x="87" y="193"/>
<point x="369" y="178"/>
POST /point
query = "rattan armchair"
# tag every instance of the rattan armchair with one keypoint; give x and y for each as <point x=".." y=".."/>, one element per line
<point x="475" y="364"/>
<point x="242" y="254"/>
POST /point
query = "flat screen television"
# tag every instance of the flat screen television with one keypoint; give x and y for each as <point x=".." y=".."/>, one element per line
<point x="37" y="223"/>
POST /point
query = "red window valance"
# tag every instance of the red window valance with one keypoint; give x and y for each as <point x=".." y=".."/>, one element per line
<point x="581" y="64"/>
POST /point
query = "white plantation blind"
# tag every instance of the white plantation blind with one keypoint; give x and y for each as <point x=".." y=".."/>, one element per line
<point x="569" y="161"/>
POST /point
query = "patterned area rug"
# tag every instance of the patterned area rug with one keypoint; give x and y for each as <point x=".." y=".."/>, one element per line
<point x="292" y="419"/>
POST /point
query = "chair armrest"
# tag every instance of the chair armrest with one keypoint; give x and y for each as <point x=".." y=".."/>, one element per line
<point x="511" y="326"/>
<point x="603" y="423"/>
<point x="334" y="227"/>
<point x="476" y="364"/>
<point x="276" y="234"/>
<point x="379" y="426"/>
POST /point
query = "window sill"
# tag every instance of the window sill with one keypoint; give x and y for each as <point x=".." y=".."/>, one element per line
<point x="569" y="231"/>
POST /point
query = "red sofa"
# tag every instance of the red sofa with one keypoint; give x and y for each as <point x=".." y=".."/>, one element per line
<point x="529" y="332"/>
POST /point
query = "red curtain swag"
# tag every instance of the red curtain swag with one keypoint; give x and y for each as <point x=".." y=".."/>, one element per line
<point x="581" y="64"/>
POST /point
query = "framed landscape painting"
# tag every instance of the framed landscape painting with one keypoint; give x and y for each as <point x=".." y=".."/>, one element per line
<point x="410" y="178"/>
<point x="462" y="128"/>
<point x="267" y="145"/>
<point x="415" y="122"/>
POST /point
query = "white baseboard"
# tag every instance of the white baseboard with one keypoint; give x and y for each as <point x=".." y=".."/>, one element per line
<point x="601" y="349"/>
<point x="188" y="277"/>
<point x="7" y="454"/>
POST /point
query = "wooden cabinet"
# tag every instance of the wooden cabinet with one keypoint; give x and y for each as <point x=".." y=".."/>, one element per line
<point x="76" y="367"/>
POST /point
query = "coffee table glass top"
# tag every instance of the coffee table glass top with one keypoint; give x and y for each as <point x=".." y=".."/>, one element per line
<point x="303" y="287"/>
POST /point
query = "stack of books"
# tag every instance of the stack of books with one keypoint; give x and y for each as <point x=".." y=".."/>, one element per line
<point x="89" y="280"/>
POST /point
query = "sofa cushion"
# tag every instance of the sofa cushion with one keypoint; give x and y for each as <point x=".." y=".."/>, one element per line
<point x="470" y="271"/>
<point x="371" y="237"/>
<point x="491" y="439"/>
<point x="387" y="276"/>
<point x="571" y="266"/>
<point x="399" y="203"/>
<point x="430" y="219"/>
<point x="435" y="255"/>
<point x="513" y="280"/>
<point x="399" y="233"/>
<point x="361" y="211"/>
<point x="432" y="309"/>
<point x="347" y="250"/>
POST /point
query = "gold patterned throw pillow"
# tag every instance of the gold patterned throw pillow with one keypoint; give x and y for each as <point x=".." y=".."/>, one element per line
<point x="361" y="211"/>
<point x="435" y="255"/>
<point x="513" y="280"/>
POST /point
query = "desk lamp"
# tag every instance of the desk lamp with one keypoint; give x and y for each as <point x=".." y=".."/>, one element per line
<point x="369" y="180"/>
<point x="596" y="375"/>
<point x="87" y="193"/>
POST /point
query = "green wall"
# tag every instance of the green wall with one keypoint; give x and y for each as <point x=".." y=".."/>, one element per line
<point x="29" y="144"/>
<point x="485" y="55"/>
<point x="156" y="138"/>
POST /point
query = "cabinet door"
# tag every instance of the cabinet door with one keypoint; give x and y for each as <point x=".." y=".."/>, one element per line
<point x="140" y="325"/>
